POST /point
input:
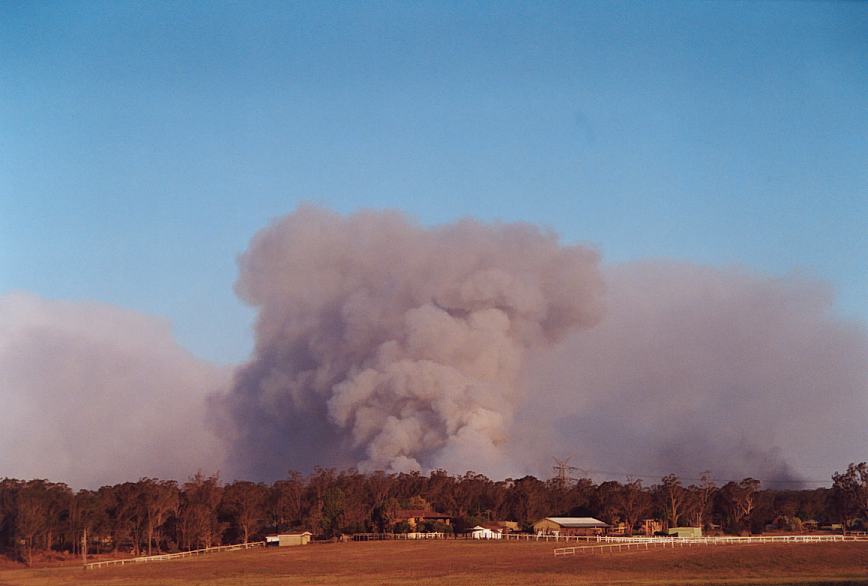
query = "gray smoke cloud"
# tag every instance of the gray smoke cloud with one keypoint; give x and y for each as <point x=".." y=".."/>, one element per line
<point x="94" y="394"/>
<point x="384" y="344"/>
<point x="387" y="345"/>
<point x="699" y="368"/>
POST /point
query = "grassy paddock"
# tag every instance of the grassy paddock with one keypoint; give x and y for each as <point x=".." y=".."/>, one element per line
<point x="435" y="562"/>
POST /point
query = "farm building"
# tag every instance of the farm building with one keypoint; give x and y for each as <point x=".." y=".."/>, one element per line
<point x="414" y="517"/>
<point x="570" y="526"/>
<point x="684" y="532"/>
<point x="486" y="532"/>
<point x="288" y="539"/>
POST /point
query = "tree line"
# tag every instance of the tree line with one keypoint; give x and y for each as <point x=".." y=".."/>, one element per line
<point x="153" y="516"/>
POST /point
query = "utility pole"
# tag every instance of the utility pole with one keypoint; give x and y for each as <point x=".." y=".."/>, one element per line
<point x="84" y="546"/>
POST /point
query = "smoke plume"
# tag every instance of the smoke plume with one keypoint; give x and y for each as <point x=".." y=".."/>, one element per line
<point x="384" y="344"/>
<point x="94" y="394"/>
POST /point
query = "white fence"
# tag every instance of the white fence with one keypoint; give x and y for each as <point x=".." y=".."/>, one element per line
<point x="612" y="544"/>
<point x="733" y="539"/>
<point x="173" y="556"/>
<point x="544" y="537"/>
<point x="466" y="536"/>
<point x="400" y="536"/>
<point x="603" y="540"/>
<point x="612" y="547"/>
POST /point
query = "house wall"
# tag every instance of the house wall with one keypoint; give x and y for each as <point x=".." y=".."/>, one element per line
<point x="581" y="531"/>
<point x="685" y="531"/>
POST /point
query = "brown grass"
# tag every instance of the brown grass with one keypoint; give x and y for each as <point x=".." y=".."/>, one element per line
<point x="474" y="563"/>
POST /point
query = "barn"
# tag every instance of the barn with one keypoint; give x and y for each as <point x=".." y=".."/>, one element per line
<point x="570" y="526"/>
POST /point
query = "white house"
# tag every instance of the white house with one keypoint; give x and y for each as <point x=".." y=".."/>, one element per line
<point x="480" y="532"/>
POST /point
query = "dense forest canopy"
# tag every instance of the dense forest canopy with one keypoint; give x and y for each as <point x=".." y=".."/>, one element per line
<point x="161" y="515"/>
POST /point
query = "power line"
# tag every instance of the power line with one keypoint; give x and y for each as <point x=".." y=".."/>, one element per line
<point x="680" y="477"/>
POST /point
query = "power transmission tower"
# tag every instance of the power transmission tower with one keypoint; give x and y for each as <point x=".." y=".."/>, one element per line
<point x="564" y="472"/>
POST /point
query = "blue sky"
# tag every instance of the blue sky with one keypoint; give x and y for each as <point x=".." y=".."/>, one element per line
<point x="142" y="144"/>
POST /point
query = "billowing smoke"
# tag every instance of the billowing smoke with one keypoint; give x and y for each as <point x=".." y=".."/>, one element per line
<point x="384" y="344"/>
<point x="94" y="394"/>
<point x="696" y="368"/>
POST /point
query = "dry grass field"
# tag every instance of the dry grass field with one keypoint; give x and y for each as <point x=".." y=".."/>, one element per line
<point x="462" y="562"/>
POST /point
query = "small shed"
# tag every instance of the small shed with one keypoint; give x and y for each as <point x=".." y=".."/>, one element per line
<point x="288" y="539"/>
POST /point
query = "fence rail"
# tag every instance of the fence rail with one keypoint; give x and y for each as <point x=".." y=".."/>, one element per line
<point x="400" y="536"/>
<point x="173" y="556"/>
<point x="601" y="539"/>
<point x="735" y="539"/>
<point x="544" y="537"/>
<point x="467" y="536"/>
<point x="613" y="544"/>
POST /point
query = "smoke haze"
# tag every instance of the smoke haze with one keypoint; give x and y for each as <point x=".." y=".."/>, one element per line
<point x="384" y="344"/>
<point x="698" y="368"/>
<point x="94" y="394"/>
